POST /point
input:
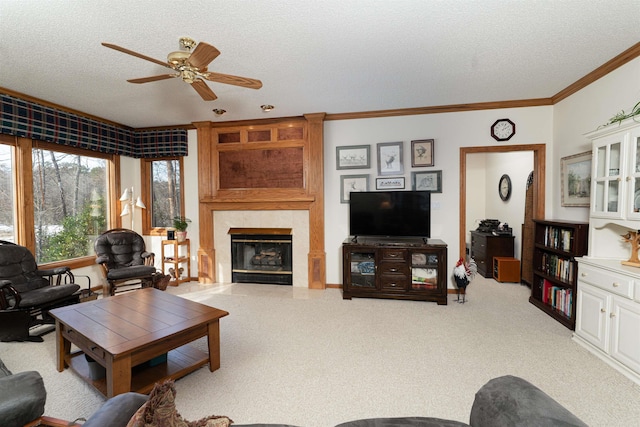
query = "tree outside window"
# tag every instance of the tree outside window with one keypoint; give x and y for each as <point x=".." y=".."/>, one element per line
<point x="7" y="220"/>
<point x="164" y="190"/>
<point x="69" y="196"/>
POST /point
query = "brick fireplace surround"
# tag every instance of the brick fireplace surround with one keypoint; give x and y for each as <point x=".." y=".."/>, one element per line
<point x="247" y="170"/>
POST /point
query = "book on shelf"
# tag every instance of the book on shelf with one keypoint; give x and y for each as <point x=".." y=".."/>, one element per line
<point x="557" y="266"/>
<point x="558" y="238"/>
<point x="557" y="297"/>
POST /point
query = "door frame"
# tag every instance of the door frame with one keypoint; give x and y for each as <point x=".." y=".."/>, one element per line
<point x="539" y="169"/>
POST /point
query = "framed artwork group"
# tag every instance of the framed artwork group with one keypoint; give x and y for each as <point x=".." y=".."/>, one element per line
<point x="390" y="164"/>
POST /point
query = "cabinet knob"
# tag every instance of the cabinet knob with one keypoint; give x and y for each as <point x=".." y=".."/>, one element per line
<point x="602" y="310"/>
<point x="616" y="284"/>
<point x="393" y="270"/>
<point x="612" y="315"/>
<point x="393" y="285"/>
<point x="583" y="274"/>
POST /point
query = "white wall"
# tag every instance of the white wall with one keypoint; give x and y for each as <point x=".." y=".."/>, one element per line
<point x="561" y="127"/>
<point x="476" y="200"/>
<point x="518" y="165"/>
<point x="583" y="112"/>
<point x="450" y="131"/>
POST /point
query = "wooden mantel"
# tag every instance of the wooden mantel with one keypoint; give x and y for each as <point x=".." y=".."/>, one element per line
<point x="262" y="165"/>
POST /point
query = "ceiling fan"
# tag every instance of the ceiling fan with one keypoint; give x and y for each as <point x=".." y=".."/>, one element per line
<point x="191" y="67"/>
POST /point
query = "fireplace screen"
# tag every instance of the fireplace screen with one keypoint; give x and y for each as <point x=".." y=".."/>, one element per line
<point x="261" y="258"/>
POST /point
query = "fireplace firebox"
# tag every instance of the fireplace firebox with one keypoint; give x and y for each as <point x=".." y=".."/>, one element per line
<point x="261" y="256"/>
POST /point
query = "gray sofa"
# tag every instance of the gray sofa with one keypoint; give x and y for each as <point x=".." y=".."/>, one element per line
<point x="506" y="401"/>
<point x="22" y="397"/>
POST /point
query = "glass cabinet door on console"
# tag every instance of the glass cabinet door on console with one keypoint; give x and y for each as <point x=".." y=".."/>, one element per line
<point x="361" y="269"/>
<point x="633" y="200"/>
<point x="424" y="270"/>
<point x="608" y="184"/>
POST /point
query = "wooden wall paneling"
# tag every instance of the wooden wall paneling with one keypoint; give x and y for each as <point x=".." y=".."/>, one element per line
<point x="206" y="251"/>
<point x="26" y="235"/>
<point x="315" y="187"/>
<point x="216" y="153"/>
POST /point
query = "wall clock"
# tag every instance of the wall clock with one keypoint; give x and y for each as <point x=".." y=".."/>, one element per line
<point x="503" y="130"/>
<point x="504" y="187"/>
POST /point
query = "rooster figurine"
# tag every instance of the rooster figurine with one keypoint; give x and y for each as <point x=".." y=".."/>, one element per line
<point x="464" y="273"/>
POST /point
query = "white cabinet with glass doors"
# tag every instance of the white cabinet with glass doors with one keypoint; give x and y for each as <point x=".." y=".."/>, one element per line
<point x="615" y="174"/>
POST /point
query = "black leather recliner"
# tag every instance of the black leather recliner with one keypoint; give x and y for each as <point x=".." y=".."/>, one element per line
<point x="124" y="259"/>
<point x="27" y="293"/>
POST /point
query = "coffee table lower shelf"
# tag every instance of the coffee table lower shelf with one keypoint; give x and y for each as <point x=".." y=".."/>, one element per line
<point x="180" y="362"/>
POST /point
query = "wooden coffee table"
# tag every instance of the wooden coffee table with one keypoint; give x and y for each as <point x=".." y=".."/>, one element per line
<point x="124" y="332"/>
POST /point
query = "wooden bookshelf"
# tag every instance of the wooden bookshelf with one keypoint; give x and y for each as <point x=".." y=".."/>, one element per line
<point x="555" y="270"/>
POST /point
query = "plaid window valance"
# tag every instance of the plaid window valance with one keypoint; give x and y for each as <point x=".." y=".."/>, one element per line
<point x="30" y="120"/>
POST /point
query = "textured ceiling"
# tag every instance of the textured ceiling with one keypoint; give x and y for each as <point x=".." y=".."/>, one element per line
<point x="333" y="56"/>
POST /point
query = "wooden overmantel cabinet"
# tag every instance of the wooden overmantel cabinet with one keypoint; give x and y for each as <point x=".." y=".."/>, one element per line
<point x="274" y="164"/>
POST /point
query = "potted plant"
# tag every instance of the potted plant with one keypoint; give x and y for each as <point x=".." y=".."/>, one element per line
<point x="180" y="223"/>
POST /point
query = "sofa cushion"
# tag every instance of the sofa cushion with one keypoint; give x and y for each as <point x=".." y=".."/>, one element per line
<point x="4" y="371"/>
<point x="403" y="422"/>
<point x="510" y="401"/>
<point x="22" y="398"/>
<point x="117" y="411"/>
<point x="160" y="411"/>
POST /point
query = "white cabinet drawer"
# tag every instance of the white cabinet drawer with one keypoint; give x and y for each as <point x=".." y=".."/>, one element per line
<point x="615" y="283"/>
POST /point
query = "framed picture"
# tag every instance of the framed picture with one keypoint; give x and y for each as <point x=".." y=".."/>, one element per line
<point x="390" y="183"/>
<point x="351" y="184"/>
<point x="422" y="153"/>
<point x="429" y="181"/>
<point x="353" y="157"/>
<point x="390" y="158"/>
<point x="576" y="179"/>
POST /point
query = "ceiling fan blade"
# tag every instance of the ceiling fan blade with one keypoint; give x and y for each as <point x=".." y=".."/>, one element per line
<point x="136" y="54"/>
<point x="153" y="78"/>
<point x="202" y="55"/>
<point x="233" y="80"/>
<point x="203" y="90"/>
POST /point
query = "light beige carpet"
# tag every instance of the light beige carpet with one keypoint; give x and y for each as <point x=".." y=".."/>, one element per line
<point x="311" y="359"/>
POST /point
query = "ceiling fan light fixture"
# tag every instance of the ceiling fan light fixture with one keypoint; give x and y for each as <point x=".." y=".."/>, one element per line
<point x="267" y="107"/>
<point x="219" y="111"/>
<point x="178" y="57"/>
<point x="188" y="76"/>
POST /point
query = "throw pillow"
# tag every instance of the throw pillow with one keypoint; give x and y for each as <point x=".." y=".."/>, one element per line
<point x="160" y="411"/>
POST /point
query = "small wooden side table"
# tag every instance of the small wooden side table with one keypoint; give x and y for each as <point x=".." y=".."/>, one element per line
<point x="176" y="258"/>
<point x="506" y="269"/>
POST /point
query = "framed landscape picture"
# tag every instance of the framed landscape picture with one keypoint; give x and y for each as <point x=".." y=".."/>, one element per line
<point x="576" y="179"/>
<point x="422" y="153"/>
<point x="353" y="157"/>
<point x="351" y="184"/>
<point x="429" y="181"/>
<point x="390" y="158"/>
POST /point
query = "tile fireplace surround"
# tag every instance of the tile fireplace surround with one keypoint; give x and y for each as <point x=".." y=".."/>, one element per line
<point x="297" y="220"/>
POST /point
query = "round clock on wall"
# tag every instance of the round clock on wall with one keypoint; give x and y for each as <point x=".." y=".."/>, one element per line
<point x="503" y="130"/>
<point x="504" y="187"/>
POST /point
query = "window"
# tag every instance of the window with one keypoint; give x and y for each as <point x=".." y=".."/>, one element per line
<point x="162" y="192"/>
<point x="7" y="219"/>
<point x="70" y="193"/>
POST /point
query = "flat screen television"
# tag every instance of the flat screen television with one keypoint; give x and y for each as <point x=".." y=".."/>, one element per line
<point x="390" y="213"/>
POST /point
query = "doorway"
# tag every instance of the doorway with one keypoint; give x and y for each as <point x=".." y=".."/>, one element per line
<point x="539" y="162"/>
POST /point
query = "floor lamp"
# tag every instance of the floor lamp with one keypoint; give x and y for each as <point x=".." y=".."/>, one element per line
<point x="130" y="204"/>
